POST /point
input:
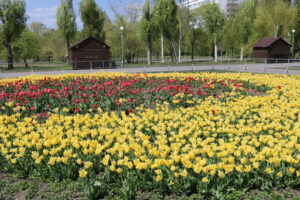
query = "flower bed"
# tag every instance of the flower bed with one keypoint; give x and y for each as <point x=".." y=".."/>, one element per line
<point x="175" y="133"/>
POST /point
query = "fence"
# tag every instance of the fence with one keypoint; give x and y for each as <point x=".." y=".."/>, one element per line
<point x="280" y="66"/>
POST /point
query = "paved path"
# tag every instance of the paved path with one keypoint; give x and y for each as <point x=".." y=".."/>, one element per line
<point x="256" y="68"/>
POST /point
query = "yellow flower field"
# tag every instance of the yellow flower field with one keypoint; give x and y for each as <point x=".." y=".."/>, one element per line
<point x="206" y="147"/>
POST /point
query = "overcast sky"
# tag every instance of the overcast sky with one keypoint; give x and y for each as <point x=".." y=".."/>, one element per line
<point x="45" y="10"/>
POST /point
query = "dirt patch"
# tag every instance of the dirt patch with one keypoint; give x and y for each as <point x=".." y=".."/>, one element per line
<point x="3" y="176"/>
<point x="20" y="195"/>
<point x="42" y="187"/>
<point x="257" y="93"/>
<point x="294" y="191"/>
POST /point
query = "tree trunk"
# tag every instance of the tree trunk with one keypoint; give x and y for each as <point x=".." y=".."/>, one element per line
<point x="67" y="55"/>
<point x="180" y="33"/>
<point x="9" y="57"/>
<point x="173" y="49"/>
<point x="25" y="62"/>
<point x="193" y="52"/>
<point x="276" y="28"/>
<point x="216" y="49"/>
<point x="242" y="53"/>
<point x="149" y="51"/>
<point x="162" y="48"/>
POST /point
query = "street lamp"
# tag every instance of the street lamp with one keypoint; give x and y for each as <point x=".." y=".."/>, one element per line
<point x="293" y="43"/>
<point x="122" y="62"/>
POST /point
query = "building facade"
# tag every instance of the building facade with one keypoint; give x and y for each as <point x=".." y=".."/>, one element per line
<point x="271" y="48"/>
<point x="89" y="53"/>
<point x="227" y="6"/>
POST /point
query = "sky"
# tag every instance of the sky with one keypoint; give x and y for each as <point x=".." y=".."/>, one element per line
<point x="45" y="10"/>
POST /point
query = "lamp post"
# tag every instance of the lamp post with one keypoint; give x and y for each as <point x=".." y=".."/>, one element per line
<point x="293" y="44"/>
<point x="122" y="62"/>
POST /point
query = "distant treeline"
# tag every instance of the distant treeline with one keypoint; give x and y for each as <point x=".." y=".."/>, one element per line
<point x="161" y="28"/>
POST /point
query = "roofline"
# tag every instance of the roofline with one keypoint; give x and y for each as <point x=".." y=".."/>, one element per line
<point x="83" y="40"/>
<point x="279" y="38"/>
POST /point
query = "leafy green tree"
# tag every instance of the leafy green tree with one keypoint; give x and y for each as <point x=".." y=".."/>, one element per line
<point x="147" y="29"/>
<point x="66" y="21"/>
<point x="231" y="40"/>
<point x="133" y="47"/>
<point x="180" y="30"/>
<point x="56" y="46"/>
<point x="13" y="19"/>
<point x="241" y="25"/>
<point x="284" y="17"/>
<point x="28" y="45"/>
<point x="37" y="27"/>
<point x="272" y="19"/>
<point x="297" y="27"/>
<point x="214" y="20"/>
<point x="93" y="19"/>
<point x="165" y="13"/>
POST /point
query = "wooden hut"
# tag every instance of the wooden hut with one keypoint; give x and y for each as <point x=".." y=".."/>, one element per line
<point x="89" y="53"/>
<point x="272" y="49"/>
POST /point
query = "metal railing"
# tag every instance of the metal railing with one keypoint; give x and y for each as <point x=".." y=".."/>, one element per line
<point x="261" y="65"/>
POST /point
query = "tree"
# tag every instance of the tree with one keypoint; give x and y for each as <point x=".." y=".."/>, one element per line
<point x="28" y="45"/>
<point x="231" y="39"/>
<point x="277" y="22"/>
<point x="132" y="40"/>
<point x="147" y="28"/>
<point x="37" y="27"/>
<point x="297" y="27"/>
<point x="180" y="31"/>
<point x="165" y="12"/>
<point x="242" y="23"/>
<point x="214" y="20"/>
<point x="13" y="19"/>
<point x="66" y="21"/>
<point x="93" y="19"/>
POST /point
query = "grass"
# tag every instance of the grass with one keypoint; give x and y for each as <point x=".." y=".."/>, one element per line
<point x="19" y="67"/>
<point x="35" y="68"/>
<point x="290" y="68"/>
<point x="14" y="187"/>
<point x="196" y="63"/>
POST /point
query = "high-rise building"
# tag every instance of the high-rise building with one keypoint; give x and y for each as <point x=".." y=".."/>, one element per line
<point x="227" y="6"/>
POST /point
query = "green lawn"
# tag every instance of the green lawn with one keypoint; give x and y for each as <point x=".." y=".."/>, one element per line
<point x="290" y="68"/>
<point x="36" y="68"/>
<point x="19" y="67"/>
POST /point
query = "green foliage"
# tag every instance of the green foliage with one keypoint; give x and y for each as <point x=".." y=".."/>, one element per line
<point x="13" y="19"/>
<point x="147" y="25"/>
<point x="165" y="12"/>
<point x="66" y="20"/>
<point x="28" y="45"/>
<point x="133" y="47"/>
<point x="213" y="17"/>
<point x="165" y="15"/>
<point x="37" y="27"/>
<point x="93" y="19"/>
